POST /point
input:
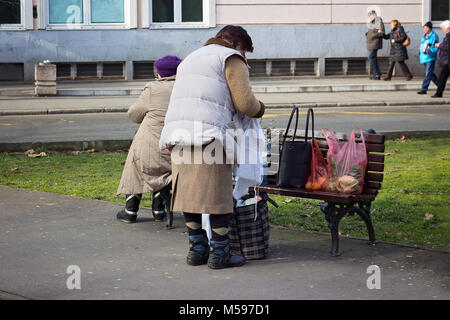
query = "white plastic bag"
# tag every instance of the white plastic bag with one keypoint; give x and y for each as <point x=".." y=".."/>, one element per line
<point x="253" y="148"/>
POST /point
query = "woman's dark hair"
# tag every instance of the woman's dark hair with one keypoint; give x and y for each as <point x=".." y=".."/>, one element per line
<point x="236" y="35"/>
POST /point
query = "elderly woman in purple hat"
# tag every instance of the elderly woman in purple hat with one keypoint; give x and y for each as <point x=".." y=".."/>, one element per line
<point x="147" y="168"/>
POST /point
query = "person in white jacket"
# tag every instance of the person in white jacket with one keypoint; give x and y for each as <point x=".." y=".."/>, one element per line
<point x="212" y="85"/>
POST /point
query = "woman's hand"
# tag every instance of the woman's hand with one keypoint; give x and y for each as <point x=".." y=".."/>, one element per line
<point x="436" y="45"/>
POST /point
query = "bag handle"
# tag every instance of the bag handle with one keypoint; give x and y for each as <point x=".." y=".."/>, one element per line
<point x="310" y="114"/>
<point x="331" y="133"/>
<point x="294" y="110"/>
<point x="362" y="136"/>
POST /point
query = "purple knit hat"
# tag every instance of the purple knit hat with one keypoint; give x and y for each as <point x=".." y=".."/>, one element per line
<point x="167" y="66"/>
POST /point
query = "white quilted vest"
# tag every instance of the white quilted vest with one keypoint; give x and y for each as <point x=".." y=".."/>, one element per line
<point x="200" y="99"/>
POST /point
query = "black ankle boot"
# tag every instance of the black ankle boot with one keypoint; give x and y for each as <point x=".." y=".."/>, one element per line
<point x="220" y="256"/>
<point x="161" y="203"/>
<point x="198" y="249"/>
<point x="129" y="214"/>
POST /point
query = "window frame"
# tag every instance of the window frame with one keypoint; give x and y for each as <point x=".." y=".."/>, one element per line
<point x="130" y="18"/>
<point x="426" y="13"/>
<point x="209" y="17"/>
<point x="26" y="17"/>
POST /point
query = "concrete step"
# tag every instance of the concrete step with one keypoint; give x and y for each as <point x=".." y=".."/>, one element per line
<point x="295" y="88"/>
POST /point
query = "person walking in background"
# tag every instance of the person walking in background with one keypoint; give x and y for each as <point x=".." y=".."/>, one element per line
<point x="212" y="86"/>
<point x="398" y="53"/>
<point x="443" y="59"/>
<point x="147" y="168"/>
<point x="428" y="56"/>
<point x="374" y="41"/>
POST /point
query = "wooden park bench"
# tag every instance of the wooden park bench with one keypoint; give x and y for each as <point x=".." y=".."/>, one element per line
<point x="335" y="205"/>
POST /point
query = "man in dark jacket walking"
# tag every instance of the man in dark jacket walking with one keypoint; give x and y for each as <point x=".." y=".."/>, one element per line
<point x="443" y="60"/>
<point x="374" y="40"/>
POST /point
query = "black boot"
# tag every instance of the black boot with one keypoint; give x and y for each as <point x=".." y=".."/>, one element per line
<point x="198" y="249"/>
<point x="129" y="214"/>
<point x="220" y="256"/>
<point x="161" y="203"/>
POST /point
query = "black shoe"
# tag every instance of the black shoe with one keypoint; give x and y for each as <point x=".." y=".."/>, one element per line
<point x="421" y="92"/>
<point x="220" y="256"/>
<point x="161" y="203"/>
<point x="123" y="216"/>
<point x="198" y="250"/>
<point x="375" y="78"/>
<point x="437" y="96"/>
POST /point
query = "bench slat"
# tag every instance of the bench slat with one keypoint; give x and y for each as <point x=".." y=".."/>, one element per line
<point x="317" y="195"/>
<point x="378" y="167"/>
<point x="371" y="147"/>
<point x="374" y="176"/>
<point x="375" y="157"/>
<point x="372" y="185"/>
<point x="369" y="138"/>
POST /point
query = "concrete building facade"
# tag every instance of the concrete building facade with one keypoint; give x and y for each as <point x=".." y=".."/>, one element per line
<point x="120" y="39"/>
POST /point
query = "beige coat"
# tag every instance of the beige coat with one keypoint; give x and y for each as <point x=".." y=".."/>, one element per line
<point x="147" y="168"/>
<point x="207" y="188"/>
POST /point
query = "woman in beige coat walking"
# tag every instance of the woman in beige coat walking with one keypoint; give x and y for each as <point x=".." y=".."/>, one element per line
<point x="147" y="168"/>
<point x="212" y="86"/>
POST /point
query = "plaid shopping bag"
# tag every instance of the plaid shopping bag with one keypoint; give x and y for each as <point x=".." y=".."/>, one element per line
<point x="249" y="236"/>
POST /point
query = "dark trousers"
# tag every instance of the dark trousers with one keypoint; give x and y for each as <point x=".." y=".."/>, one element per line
<point x="429" y="76"/>
<point x="403" y="66"/>
<point x="442" y="80"/>
<point x="373" y="59"/>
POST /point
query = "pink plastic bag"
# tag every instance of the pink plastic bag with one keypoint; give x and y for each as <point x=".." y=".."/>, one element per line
<point x="347" y="163"/>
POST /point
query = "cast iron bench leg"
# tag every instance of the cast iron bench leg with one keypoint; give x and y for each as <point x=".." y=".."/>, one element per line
<point x="364" y="212"/>
<point x="333" y="215"/>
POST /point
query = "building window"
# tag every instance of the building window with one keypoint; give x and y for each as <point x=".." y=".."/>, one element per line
<point x="10" y="12"/>
<point x="182" y="13"/>
<point x="89" y="14"/>
<point x="440" y="10"/>
<point x="16" y="14"/>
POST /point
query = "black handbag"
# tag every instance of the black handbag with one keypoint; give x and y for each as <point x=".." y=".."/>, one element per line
<point x="295" y="156"/>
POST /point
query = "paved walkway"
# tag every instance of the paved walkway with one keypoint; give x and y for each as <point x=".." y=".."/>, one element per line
<point x="42" y="234"/>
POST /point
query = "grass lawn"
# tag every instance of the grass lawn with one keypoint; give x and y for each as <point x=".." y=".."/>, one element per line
<point x="417" y="182"/>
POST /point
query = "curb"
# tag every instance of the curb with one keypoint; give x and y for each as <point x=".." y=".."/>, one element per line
<point x="120" y="145"/>
<point x="261" y="89"/>
<point x="268" y="106"/>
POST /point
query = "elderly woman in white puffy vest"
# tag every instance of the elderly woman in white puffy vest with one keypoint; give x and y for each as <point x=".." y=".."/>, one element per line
<point x="147" y="168"/>
<point x="212" y="86"/>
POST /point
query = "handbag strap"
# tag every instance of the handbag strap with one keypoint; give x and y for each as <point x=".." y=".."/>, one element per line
<point x="310" y="114"/>
<point x="294" y="110"/>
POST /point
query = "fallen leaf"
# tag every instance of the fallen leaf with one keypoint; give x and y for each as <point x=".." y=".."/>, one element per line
<point x="288" y="200"/>
<point x="30" y="151"/>
<point x="14" y="169"/>
<point x="388" y="154"/>
<point x="428" y="216"/>
<point x="90" y="150"/>
<point x="403" y="139"/>
<point x="399" y="234"/>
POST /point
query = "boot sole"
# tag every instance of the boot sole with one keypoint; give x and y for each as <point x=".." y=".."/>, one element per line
<point x="226" y="266"/>
<point x="196" y="264"/>
<point x="126" y="221"/>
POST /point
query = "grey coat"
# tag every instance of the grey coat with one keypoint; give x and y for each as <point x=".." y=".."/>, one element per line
<point x="398" y="52"/>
